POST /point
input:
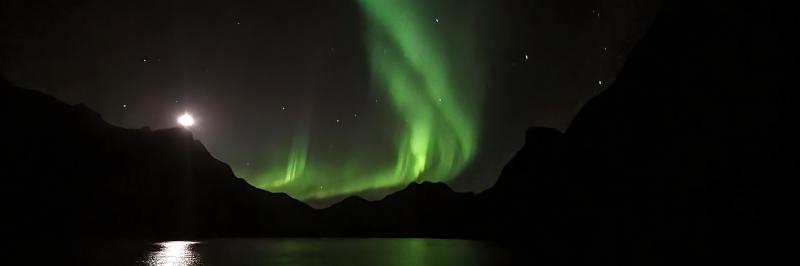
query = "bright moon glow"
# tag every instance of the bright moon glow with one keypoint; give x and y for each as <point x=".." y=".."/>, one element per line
<point x="186" y="120"/>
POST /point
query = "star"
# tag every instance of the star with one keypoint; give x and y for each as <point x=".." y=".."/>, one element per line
<point x="124" y="106"/>
<point x="144" y="60"/>
<point x="283" y="108"/>
<point x="437" y="20"/>
<point x="599" y="82"/>
<point x="338" y="121"/>
<point x="355" y="115"/>
<point x="526" y="56"/>
<point x="440" y="99"/>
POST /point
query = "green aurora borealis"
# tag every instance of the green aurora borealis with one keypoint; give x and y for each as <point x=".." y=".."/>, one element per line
<point x="431" y="72"/>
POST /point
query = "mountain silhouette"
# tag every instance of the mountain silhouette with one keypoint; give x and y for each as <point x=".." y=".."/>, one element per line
<point x="685" y="157"/>
<point x="71" y="173"/>
<point x="419" y="210"/>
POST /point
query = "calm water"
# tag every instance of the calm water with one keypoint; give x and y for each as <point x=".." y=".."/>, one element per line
<point x="290" y="251"/>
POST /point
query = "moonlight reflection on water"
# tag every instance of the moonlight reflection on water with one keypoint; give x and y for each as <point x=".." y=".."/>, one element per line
<point x="173" y="253"/>
<point x="290" y="252"/>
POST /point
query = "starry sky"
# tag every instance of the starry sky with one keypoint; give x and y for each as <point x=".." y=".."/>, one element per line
<point x="325" y="99"/>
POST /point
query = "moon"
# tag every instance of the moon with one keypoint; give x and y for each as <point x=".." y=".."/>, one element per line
<point x="186" y="120"/>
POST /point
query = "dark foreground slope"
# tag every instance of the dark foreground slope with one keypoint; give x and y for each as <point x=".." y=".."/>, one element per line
<point x="69" y="173"/>
<point x="686" y="157"/>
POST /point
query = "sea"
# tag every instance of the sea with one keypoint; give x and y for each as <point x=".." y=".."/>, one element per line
<point x="285" y="251"/>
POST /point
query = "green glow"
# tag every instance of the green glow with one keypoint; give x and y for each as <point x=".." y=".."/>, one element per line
<point x="430" y="72"/>
<point x="297" y="160"/>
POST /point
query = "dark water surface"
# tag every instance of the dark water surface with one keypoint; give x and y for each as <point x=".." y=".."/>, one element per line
<point x="290" y="251"/>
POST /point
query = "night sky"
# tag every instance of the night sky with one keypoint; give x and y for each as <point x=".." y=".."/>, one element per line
<point x="324" y="99"/>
